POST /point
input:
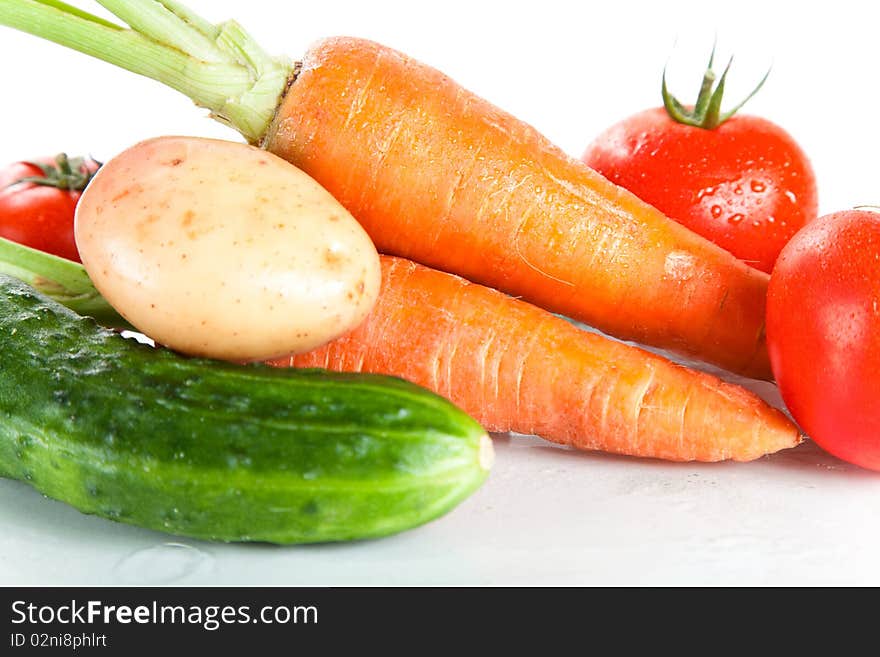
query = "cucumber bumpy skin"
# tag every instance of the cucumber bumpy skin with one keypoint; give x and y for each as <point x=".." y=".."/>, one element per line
<point x="218" y="451"/>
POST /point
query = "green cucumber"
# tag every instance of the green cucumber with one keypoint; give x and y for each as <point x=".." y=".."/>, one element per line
<point x="218" y="451"/>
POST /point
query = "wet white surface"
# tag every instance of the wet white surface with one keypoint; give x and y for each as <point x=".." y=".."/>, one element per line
<point x="547" y="515"/>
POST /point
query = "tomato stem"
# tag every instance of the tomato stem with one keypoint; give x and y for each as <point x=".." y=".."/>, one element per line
<point x="706" y="112"/>
<point x="705" y="86"/>
<point x="65" y="173"/>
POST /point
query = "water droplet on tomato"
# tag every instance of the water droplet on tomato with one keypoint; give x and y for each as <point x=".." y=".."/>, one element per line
<point x="707" y="191"/>
<point x="738" y="189"/>
<point x="771" y="220"/>
<point x="736" y="218"/>
<point x="716" y="211"/>
<point x="791" y="196"/>
<point x="758" y="186"/>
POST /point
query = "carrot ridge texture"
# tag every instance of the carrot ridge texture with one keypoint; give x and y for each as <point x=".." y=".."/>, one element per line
<point x="440" y="176"/>
<point x="516" y="367"/>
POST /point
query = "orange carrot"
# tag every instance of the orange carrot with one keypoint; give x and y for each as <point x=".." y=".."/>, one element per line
<point x="438" y="175"/>
<point x="515" y="367"/>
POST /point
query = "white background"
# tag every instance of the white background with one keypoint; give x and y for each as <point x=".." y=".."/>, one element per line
<point x="546" y="515"/>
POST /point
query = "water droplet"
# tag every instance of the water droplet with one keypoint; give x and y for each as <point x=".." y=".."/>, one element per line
<point x="238" y="460"/>
<point x="758" y="186"/>
<point x="736" y="218"/>
<point x="401" y="413"/>
<point x="707" y="191"/>
<point x="771" y="220"/>
<point x="163" y="564"/>
<point x="716" y="211"/>
<point x="738" y="189"/>
<point x="679" y="266"/>
<point x="791" y="196"/>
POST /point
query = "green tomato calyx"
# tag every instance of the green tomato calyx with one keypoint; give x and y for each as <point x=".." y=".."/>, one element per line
<point x="72" y="174"/>
<point x="706" y="112"/>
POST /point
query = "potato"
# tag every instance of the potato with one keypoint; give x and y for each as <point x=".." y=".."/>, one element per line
<point x="223" y="250"/>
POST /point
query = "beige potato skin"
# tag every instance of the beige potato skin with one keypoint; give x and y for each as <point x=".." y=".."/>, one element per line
<point x="223" y="250"/>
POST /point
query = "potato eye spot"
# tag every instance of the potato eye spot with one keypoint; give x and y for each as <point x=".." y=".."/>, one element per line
<point x="332" y="258"/>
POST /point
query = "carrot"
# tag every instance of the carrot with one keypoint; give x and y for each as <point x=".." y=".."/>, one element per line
<point x="438" y="175"/>
<point x="516" y="367"/>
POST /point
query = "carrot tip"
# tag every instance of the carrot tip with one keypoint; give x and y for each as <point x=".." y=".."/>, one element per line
<point x="486" y="454"/>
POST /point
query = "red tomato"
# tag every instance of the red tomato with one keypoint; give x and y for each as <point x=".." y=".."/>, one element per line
<point x="40" y="214"/>
<point x="744" y="184"/>
<point x="823" y="333"/>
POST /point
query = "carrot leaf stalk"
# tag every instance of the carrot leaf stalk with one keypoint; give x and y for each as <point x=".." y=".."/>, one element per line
<point x="220" y="67"/>
<point x="63" y="280"/>
<point x="706" y="112"/>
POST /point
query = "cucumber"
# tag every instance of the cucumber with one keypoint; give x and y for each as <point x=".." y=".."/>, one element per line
<point x="219" y="451"/>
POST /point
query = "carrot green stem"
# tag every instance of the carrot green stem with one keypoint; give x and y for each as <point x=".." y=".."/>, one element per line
<point x="707" y="110"/>
<point x="63" y="280"/>
<point x="186" y="14"/>
<point x="76" y="11"/>
<point x="219" y="67"/>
